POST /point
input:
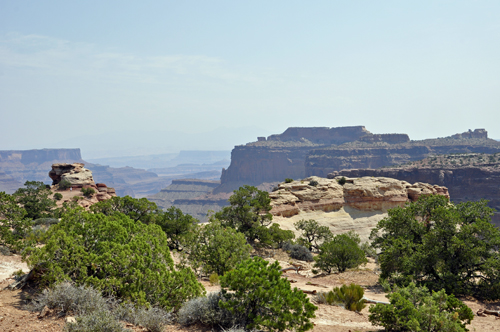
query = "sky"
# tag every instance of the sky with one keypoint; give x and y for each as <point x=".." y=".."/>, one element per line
<point x="138" y="77"/>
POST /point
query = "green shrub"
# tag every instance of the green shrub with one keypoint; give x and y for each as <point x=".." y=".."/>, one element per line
<point x="277" y="236"/>
<point x="137" y="209"/>
<point x="256" y="292"/>
<point x="288" y="180"/>
<point x="351" y="297"/>
<point x="14" y="226"/>
<point x="214" y="279"/>
<point x="416" y="309"/>
<point x="117" y="256"/>
<point x="212" y="248"/>
<point x="341" y="181"/>
<point x="248" y="213"/>
<point x="176" y="226"/>
<point x="296" y="251"/>
<point x="341" y="253"/>
<point x="313" y="183"/>
<point x="58" y="196"/>
<point x="64" y="184"/>
<point x="88" y="192"/>
<point x="35" y="199"/>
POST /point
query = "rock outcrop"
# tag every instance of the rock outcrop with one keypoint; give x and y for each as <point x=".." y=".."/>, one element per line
<point x="78" y="178"/>
<point x="362" y="193"/>
<point x="74" y="174"/>
<point x="357" y="205"/>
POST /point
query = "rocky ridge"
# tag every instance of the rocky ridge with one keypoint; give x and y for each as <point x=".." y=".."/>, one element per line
<point x="357" y="205"/>
<point x="362" y="193"/>
<point x="77" y="178"/>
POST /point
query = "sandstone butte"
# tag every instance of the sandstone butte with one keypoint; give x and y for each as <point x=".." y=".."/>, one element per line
<point x="357" y="205"/>
<point x="78" y="177"/>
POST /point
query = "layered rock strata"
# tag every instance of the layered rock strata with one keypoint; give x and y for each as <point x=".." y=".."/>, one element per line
<point x="301" y="152"/>
<point x="362" y="193"/>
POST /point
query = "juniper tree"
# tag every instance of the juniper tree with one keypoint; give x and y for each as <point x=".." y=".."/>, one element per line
<point x="435" y="243"/>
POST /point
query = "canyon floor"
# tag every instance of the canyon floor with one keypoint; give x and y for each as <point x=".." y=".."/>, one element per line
<point x="15" y="317"/>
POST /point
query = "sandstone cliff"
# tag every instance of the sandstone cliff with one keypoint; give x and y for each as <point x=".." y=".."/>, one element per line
<point x="283" y="156"/>
<point x="357" y="205"/>
<point x="321" y="162"/>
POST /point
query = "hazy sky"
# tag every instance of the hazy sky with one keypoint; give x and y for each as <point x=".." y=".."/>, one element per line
<point x="93" y="74"/>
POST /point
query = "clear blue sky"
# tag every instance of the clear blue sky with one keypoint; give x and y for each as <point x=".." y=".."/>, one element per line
<point x="77" y="72"/>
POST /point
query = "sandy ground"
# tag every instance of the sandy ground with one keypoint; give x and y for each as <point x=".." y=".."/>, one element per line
<point x="15" y="317"/>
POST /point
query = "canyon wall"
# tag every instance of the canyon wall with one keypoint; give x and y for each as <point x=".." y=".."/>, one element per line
<point x="321" y="135"/>
<point x="277" y="157"/>
<point x="301" y="152"/>
<point x="321" y="162"/>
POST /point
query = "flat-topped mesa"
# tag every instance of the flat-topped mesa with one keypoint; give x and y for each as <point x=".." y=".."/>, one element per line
<point x="75" y="174"/>
<point x="477" y="133"/>
<point x="364" y="194"/>
<point x="321" y="135"/>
